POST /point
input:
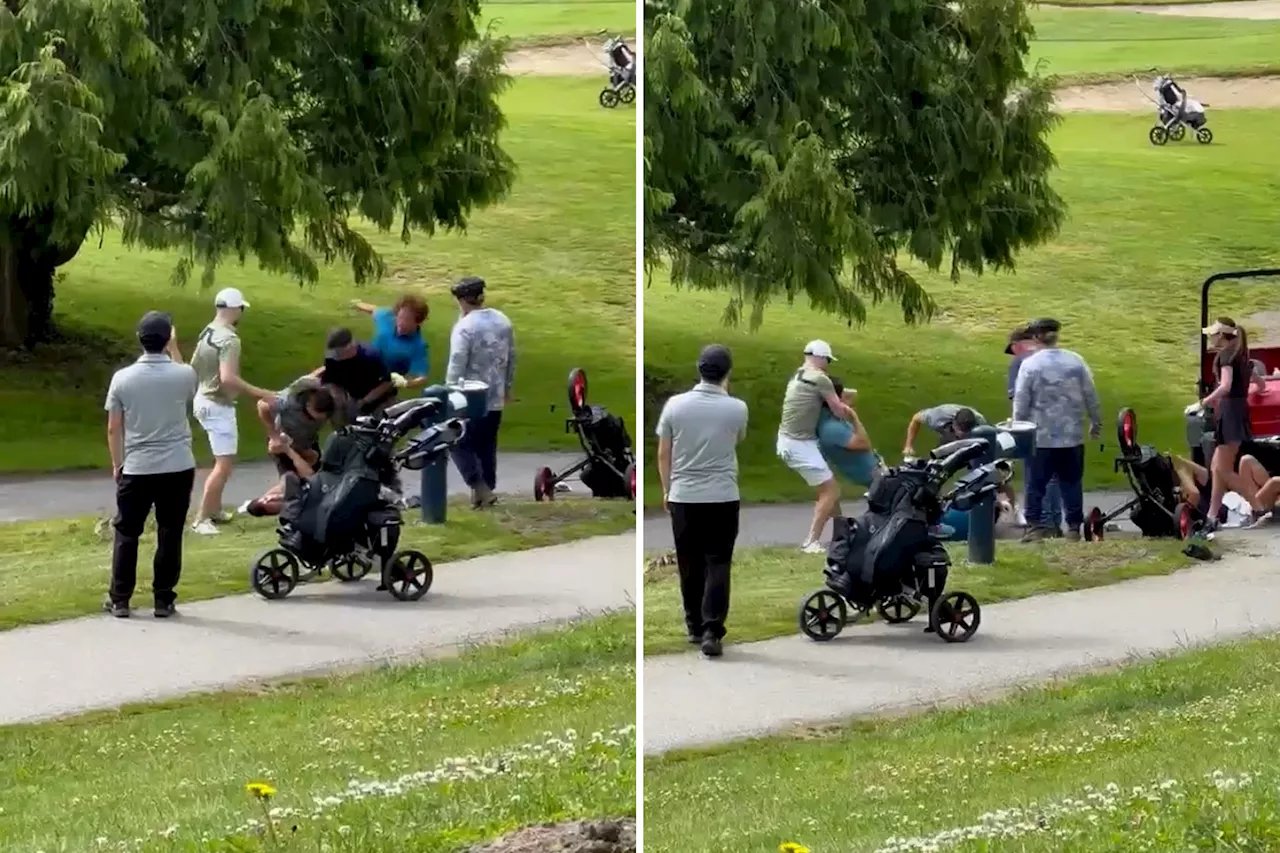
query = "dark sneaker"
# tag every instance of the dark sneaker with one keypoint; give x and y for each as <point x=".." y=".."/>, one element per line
<point x="120" y="611"/>
<point x="694" y="639"/>
<point x="164" y="611"/>
<point x="711" y="646"/>
<point x="1036" y="534"/>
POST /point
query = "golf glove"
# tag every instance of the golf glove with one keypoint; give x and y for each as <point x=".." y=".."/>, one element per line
<point x="1193" y="409"/>
<point x="398" y="380"/>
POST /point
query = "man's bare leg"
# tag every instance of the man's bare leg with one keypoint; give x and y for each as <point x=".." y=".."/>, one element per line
<point x="827" y="503"/>
<point x="214" y="484"/>
<point x="1267" y="497"/>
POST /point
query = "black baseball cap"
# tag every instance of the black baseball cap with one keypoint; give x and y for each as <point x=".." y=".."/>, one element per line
<point x="338" y="338"/>
<point x="471" y="287"/>
<point x="156" y="327"/>
<point x="1017" y="336"/>
<point x="714" y="363"/>
<point x="1043" y="326"/>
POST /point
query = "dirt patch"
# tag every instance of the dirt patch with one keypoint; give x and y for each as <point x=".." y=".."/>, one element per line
<point x="1263" y="329"/>
<point x="1213" y="92"/>
<point x="1243" y="10"/>
<point x="561" y="60"/>
<point x="596" y="836"/>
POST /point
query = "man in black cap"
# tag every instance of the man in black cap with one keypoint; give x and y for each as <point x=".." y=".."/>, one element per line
<point x="149" y="438"/>
<point x="1055" y="391"/>
<point x="357" y="373"/>
<point x="482" y="348"/>
<point x="698" y="435"/>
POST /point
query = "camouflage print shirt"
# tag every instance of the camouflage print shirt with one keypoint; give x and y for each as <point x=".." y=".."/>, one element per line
<point x="1055" y="391"/>
<point x="482" y="348"/>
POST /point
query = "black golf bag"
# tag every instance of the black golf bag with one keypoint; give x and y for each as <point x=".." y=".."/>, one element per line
<point x="608" y="444"/>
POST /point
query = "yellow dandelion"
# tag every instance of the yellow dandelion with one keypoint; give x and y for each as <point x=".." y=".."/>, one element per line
<point x="792" y="847"/>
<point x="263" y="791"/>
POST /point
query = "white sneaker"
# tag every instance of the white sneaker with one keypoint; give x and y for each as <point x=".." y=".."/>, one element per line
<point x="1022" y="518"/>
<point x="205" y="527"/>
<point x="242" y="510"/>
<point x="813" y="548"/>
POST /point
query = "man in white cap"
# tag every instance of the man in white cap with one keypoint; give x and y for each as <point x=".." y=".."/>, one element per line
<point x="217" y="364"/>
<point x="798" y="447"/>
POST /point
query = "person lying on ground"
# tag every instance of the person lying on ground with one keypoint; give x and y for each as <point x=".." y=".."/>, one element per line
<point x="293" y="419"/>
<point x="398" y="340"/>
<point x="356" y="375"/>
<point x="1195" y="484"/>
<point x="797" y="442"/>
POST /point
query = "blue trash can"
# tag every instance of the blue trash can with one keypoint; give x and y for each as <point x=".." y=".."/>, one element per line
<point x="469" y="401"/>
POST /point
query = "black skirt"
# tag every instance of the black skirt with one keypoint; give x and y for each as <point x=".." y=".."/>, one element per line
<point x="1232" y="416"/>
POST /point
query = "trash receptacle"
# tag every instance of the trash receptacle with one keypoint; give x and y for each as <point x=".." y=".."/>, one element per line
<point x="1006" y="440"/>
<point x="468" y="401"/>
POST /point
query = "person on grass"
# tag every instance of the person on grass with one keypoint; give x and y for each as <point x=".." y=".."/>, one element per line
<point x="398" y="341"/>
<point x="797" y="444"/>
<point x="149" y="438"/>
<point x="698" y="435"/>
<point x="1055" y="391"/>
<point x="1022" y="344"/>
<point x="293" y="420"/>
<point x="216" y="360"/>
<point x="1230" y="404"/>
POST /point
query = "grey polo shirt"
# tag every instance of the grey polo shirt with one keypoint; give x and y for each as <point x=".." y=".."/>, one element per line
<point x="154" y="394"/>
<point x="704" y="426"/>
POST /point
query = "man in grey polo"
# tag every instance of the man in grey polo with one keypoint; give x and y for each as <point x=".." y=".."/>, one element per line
<point x="151" y="461"/>
<point x="698" y="435"/>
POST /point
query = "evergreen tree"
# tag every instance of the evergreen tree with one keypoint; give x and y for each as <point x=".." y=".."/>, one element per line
<point x="229" y="128"/>
<point x="804" y="147"/>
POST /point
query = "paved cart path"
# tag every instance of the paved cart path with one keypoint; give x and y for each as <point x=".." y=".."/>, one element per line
<point x="774" y="685"/>
<point x="58" y="496"/>
<point x="100" y="662"/>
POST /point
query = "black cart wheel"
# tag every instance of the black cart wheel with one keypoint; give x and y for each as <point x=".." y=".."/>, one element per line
<point x="1204" y="136"/>
<point x="1094" y="527"/>
<point x="1158" y="135"/>
<point x="408" y="575"/>
<point x="274" y="573"/>
<point x="349" y="568"/>
<point x="897" y="609"/>
<point x="956" y="617"/>
<point x="608" y="98"/>
<point x="1179" y="133"/>
<point x="1127" y="431"/>
<point x="822" y="615"/>
<point x="544" y="485"/>
<point x="1186" y="522"/>
<point x="627" y="94"/>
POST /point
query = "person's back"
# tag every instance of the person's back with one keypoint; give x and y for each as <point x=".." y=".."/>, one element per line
<point x="153" y="395"/>
<point x="483" y="349"/>
<point x="1055" y="391"/>
<point x="834" y="435"/>
<point x="705" y="426"/>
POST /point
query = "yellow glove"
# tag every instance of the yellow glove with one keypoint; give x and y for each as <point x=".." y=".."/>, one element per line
<point x="398" y="380"/>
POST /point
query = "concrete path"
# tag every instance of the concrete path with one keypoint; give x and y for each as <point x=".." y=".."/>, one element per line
<point x="786" y="524"/>
<point x="773" y="685"/>
<point x="100" y="662"/>
<point x="59" y="496"/>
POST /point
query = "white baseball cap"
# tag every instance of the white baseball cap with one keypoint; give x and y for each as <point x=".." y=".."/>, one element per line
<point x="229" y="297"/>
<point x="820" y="349"/>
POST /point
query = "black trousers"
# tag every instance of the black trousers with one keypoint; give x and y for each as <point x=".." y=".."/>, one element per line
<point x="136" y="496"/>
<point x="1067" y="465"/>
<point x="476" y="453"/>
<point x="705" y="535"/>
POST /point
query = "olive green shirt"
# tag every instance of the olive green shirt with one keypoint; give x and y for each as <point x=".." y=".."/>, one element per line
<point x="218" y="343"/>
<point x="806" y="393"/>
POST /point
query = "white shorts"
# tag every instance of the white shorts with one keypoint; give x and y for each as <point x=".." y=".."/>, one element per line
<point x="219" y="421"/>
<point x="805" y="458"/>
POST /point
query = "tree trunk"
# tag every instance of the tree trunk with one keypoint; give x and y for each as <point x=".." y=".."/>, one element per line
<point x="27" y="263"/>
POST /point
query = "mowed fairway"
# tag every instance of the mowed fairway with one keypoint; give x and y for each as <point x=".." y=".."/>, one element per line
<point x="537" y="22"/>
<point x="1091" y="44"/>
<point x="1146" y="227"/>
<point x="559" y="256"/>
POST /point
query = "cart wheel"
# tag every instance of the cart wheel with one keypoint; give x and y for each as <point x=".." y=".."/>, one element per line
<point x="1186" y="522"/>
<point x="349" y="568"/>
<point x="822" y="615"/>
<point x="274" y="573"/>
<point x="577" y="389"/>
<point x="1094" y="527"/>
<point x="1127" y="431"/>
<point x="1179" y="133"/>
<point x="627" y="94"/>
<point x="956" y="617"/>
<point x="608" y="98"/>
<point x="544" y="485"/>
<point x="631" y="479"/>
<point x="1204" y="136"/>
<point x="408" y="575"/>
<point x="1158" y="135"/>
<point x="897" y="609"/>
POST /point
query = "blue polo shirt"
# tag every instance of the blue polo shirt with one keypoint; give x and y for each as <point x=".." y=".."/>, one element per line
<point x="833" y="434"/>
<point x="403" y="354"/>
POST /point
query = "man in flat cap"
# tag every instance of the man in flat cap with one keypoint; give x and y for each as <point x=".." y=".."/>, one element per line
<point x="698" y="435"/>
<point x="149" y="438"/>
<point x="1055" y="391"/>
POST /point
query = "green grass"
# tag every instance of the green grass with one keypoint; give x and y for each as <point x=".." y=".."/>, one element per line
<point x="769" y="583"/>
<point x="1101" y="43"/>
<point x="1103" y="3"/>
<point x="52" y="570"/>
<point x="538" y="22"/>
<point x="559" y="257"/>
<point x="1146" y="226"/>
<point x="447" y="753"/>
<point x="1165" y="757"/>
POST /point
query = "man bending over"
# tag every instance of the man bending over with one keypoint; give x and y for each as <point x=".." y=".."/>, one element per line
<point x="293" y="420"/>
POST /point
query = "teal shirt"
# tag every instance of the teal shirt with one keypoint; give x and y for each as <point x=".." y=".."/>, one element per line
<point x="854" y="465"/>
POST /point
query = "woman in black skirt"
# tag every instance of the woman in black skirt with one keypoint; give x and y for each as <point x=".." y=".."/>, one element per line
<point x="1230" y="404"/>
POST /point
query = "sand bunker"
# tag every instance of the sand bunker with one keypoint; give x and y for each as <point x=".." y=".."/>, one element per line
<point x="1213" y="92"/>
<point x="561" y="60"/>
<point x="1245" y="10"/>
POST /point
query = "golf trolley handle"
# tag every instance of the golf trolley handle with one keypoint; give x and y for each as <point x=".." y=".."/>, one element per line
<point x="1204" y="309"/>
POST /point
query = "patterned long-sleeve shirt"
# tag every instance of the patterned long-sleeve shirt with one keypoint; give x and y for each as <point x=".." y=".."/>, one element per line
<point x="1055" y="391"/>
<point x="483" y="348"/>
